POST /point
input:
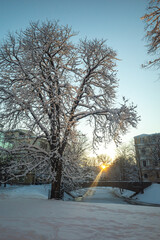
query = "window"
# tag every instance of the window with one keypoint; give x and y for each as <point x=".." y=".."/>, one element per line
<point x="21" y="134"/>
<point x="143" y="151"/>
<point x="144" y="163"/>
<point x="145" y="175"/>
<point x="156" y="163"/>
<point x="157" y="175"/>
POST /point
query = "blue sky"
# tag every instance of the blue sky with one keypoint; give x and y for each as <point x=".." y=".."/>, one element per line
<point x="119" y="22"/>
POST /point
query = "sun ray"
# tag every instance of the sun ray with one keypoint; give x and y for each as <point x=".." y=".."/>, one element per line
<point x="94" y="184"/>
<point x="90" y="191"/>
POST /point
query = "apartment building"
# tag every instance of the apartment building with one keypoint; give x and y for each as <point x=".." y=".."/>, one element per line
<point x="20" y="136"/>
<point x="147" y="148"/>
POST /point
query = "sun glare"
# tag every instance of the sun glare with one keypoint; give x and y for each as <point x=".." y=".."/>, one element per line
<point x="110" y="151"/>
<point x="103" y="166"/>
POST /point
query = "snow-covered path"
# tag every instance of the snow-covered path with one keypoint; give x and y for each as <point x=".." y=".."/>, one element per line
<point x="24" y="217"/>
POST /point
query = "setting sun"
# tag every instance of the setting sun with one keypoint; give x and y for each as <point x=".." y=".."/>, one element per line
<point x="103" y="166"/>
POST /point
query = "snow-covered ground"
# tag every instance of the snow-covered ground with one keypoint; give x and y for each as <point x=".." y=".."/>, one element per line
<point x="151" y="195"/>
<point x="25" y="191"/>
<point x="26" y="213"/>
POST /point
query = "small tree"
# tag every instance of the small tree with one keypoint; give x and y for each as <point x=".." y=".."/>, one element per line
<point x="152" y="20"/>
<point x="48" y="84"/>
<point x="124" y="167"/>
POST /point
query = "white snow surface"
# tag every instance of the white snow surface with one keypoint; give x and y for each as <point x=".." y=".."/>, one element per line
<point x="150" y="195"/>
<point x="26" y="213"/>
<point x="25" y="191"/>
<point x="123" y="193"/>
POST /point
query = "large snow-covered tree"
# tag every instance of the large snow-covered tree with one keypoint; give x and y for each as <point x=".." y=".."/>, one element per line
<point x="48" y="83"/>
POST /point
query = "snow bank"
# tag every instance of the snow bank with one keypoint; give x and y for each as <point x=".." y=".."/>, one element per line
<point x="150" y="195"/>
<point x="122" y="193"/>
<point x="28" y="191"/>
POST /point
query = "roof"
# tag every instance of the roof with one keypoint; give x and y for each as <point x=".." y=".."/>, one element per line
<point x="145" y="135"/>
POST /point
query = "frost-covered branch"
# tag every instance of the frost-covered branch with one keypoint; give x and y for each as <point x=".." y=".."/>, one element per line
<point x="152" y="28"/>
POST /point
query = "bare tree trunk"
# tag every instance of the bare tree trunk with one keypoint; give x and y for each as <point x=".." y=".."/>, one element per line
<point x="56" y="188"/>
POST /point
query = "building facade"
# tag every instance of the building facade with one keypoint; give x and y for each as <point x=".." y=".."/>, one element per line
<point x="147" y="148"/>
<point x="20" y="136"/>
<point x="16" y="139"/>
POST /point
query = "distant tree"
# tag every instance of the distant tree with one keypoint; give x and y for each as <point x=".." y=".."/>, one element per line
<point x="152" y="21"/>
<point x="103" y="159"/>
<point x="124" y="166"/>
<point x="48" y="84"/>
<point x="90" y="161"/>
<point x="127" y="151"/>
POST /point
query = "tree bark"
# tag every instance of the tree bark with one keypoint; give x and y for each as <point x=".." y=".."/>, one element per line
<point x="56" y="188"/>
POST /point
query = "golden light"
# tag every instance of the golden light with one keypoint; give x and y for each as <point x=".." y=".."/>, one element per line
<point x="93" y="185"/>
<point x="96" y="180"/>
<point x="103" y="166"/>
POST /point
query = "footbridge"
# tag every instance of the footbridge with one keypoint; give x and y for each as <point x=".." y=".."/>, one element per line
<point x="132" y="186"/>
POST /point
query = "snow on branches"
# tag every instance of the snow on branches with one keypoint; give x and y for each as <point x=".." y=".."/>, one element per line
<point x="152" y="21"/>
<point x="48" y="84"/>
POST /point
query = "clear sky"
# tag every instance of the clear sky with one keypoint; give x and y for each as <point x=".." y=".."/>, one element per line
<point x="119" y="22"/>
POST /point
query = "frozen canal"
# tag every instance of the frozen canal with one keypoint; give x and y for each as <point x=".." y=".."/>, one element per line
<point x="102" y="195"/>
